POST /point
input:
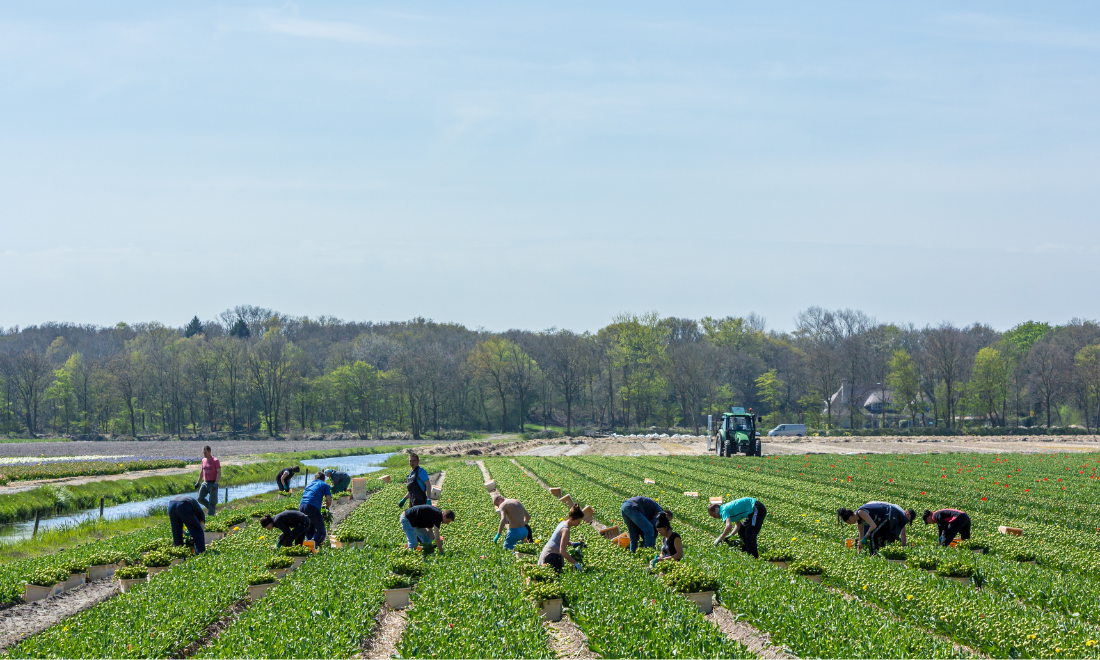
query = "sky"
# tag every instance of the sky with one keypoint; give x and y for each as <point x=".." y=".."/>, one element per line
<point x="536" y="165"/>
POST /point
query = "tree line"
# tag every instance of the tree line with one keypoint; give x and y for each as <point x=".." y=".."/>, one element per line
<point x="253" y="370"/>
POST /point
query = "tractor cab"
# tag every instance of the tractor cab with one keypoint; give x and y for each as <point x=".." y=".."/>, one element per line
<point x="736" y="433"/>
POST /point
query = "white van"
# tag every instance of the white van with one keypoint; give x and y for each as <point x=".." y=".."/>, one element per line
<point x="788" y="429"/>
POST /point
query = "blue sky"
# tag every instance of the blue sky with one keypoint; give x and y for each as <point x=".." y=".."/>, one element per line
<point x="533" y="165"/>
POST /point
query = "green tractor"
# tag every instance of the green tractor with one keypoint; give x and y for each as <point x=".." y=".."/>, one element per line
<point x="735" y="433"/>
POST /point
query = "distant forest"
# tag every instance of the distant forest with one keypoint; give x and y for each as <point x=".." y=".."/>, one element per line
<point x="256" y="371"/>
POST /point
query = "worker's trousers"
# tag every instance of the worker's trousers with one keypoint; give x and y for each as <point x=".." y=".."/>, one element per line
<point x="750" y="528"/>
<point x="514" y="536"/>
<point x="415" y="535"/>
<point x="209" y="489"/>
<point x="959" y="526"/>
<point x="638" y="525"/>
<point x="316" y="522"/>
<point x="181" y="514"/>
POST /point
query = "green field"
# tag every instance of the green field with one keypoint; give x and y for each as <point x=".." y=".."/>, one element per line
<point x="472" y="602"/>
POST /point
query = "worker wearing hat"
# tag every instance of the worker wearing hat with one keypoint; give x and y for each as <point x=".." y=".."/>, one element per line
<point x="340" y="480"/>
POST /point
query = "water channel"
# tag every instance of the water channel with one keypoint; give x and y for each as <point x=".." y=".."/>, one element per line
<point x="353" y="465"/>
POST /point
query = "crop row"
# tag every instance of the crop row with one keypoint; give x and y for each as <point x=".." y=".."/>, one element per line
<point x="984" y="619"/>
<point x="64" y="469"/>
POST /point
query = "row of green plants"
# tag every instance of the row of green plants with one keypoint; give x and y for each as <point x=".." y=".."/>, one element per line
<point x="810" y="620"/>
<point x="66" y="469"/>
<point x="984" y="619"/>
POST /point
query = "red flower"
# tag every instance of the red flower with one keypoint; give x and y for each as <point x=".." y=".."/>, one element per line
<point x="983" y="499"/>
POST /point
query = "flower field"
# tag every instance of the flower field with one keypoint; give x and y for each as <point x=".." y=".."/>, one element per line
<point x="470" y="600"/>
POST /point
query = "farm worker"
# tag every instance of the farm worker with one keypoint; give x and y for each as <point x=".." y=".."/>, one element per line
<point x="744" y="517"/>
<point x="673" y="548"/>
<point x="311" y="506"/>
<point x="282" y="479"/>
<point x="640" y="514"/>
<point x="951" y="522"/>
<point x="210" y="471"/>
<point x="515" y="517"/>
<point x="340" y="480"/>
<point x="418" y="484"/>
<point x="422" y="523"/>
<point x="294" y="526"/>
<point x="185" y="510"/>
<point x="556" y="551"/>
<point x="879" y="523"/>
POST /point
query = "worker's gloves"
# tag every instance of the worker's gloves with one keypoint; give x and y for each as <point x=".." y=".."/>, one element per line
<point x="496" y="538"/>
<point x="717" y="541"/>
<point x="197" y="484"/>
<point x="653" y="563"/>
<point x="402" y="502"/>
<point x="866" y="541"/>
<point x="578" y="566"/>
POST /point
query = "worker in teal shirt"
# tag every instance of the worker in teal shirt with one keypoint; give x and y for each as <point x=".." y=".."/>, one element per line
<point x="743" y="517"/>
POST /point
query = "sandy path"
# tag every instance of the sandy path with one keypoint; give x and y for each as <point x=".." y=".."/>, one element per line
<point x="739" y="631"/>
<point x="23" y="620"/>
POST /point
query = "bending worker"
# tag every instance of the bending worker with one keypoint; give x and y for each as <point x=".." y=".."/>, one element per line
<point x="515" y="518"/>
<point x="951" y="522"/>
<point x="556" y="551"/>
<point x="640" y="515"/>
<point x="311" y="506"/>
<point x="340" y="480"/>
<point x="282" y="480"/>
<point x="418" y="484"/>
<point x="673" y="548"/>
<point x="294" y="526"/>
<point x="185" y="510"/>
<point x="422" y="524"/>
<point x="879" y="523"/>
<point x="744" y="517"/>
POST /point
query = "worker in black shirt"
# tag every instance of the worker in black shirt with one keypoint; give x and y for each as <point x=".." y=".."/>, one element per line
<point x="673" y="548"/>
<point x="283" y="477"/>
<point x="640" y="515"/>
<point x="186" y="510"/>
<point x="879" y="523"/>
<point x="422" y="523"/>
<point x="951" y="522"/>
<point x="294" y="526"/>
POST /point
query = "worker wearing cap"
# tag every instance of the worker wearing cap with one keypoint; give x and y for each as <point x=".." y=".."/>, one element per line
<point x="422" y="525"/>
<point x="640" y="515"/>
<point x="282" y="479"/>
<point x="515" y="518"/>
<point x="340" y="480"/>
<point x="310" y="505"/>
<point x="951" y="522"/>
<point x="294" y="526"/>
<point x="186" y="510"/>
<point x="879" y="523"/>
<point x="744" y="517"/>
<point x="418" y="484"/>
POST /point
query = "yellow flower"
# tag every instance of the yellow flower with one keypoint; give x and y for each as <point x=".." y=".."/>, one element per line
<point x="1091" y="642"/>
<point x="1031" y="636"/>
<point x="263" y="537"/>
<point x="865" y="587"/>
<point x="909" y="597"/>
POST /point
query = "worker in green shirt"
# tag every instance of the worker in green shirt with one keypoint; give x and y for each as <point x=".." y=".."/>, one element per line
<point x="744" y="517"/>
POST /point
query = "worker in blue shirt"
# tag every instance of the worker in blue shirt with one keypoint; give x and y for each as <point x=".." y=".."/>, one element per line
<point x="640" y="515"/>
<point x="311" y="506"/>
<point x="743" y="517"/>
<point x="418" y="484"/>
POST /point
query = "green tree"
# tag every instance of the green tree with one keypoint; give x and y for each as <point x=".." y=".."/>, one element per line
<point x="769" y="388"/>
<point x="1087" y="361"/>
<point x="989" y="385"/>
<point x="359" y="386"/>
<point x="904" y="382"/>
<point x="60" y="391"/>
<point x="640" y="352"/>
<point x="193" y="328"/>
<point x="490" y="361"/>
<point x="1024" y="335"/>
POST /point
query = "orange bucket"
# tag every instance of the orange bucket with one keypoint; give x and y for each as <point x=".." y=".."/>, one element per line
<point x="849" y="542"/>
<point x="623" y="540"/>
<point x="954" y="543"/>
<point x="311" y="545"/>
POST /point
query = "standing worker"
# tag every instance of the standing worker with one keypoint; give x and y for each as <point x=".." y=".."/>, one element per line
<point x="515" y="518"/>
<point x="951" y="522"/>
<point x="294" y="526"/>
<point x="879" y="523"/>
<point x="340" y="480"/>
<point x="640" y="515"/>
<point x="422" y="523"/>
<point x="282" y="480"/>
<point x="311" y="507"/>
<point x="673" y="547"/>
<point x="744" y="517"/>
<point x="185" y="510"/>
<point x="556" y="551"/>
<point x="418" y="484"/>
<point x="210" y="471"/>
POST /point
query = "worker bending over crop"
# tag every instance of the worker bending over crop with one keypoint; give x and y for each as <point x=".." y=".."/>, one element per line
<point x="879" y="523"/>
<point x="185" y="510"/>
<point x="294" y="526"/>
<point x="951" y="522"/>
<point x="340" y="480"/>
<point x="744" y="517"/>
<point x="311" y="507"/>
<point x="556" y="551"/>
<point x="417" y="484"/>
<point x="640" y="515"/>
<point x="673" y="548"/>
<point x="515" y="518"/>
<point x="422" y="525"/>
<point x="282" y="479"/>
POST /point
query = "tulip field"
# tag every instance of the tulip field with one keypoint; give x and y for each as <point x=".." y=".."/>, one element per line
<point x="1034" y="595"/>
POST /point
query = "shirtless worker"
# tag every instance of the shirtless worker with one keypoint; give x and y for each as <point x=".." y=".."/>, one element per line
<point x="515" y="518"/>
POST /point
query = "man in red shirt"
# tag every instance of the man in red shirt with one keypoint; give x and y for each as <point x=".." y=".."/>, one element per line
<point x="209" y="473"/>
